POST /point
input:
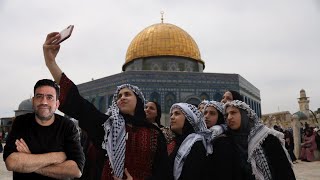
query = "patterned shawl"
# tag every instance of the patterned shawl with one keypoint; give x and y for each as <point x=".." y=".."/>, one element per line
<point x="258" y="133"/>
<point x="215" y="104"/>
<point x="221" y="127"/>
<point x="195" y="118"/>
<point x="115" y="132"/>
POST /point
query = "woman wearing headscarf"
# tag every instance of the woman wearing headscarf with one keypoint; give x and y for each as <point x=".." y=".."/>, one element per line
<point x="260" y="150"/>
<point x="222" y="161"/>
<point x="308" y="146"/>
<point x="202" y="104"/>
<point x="153" y="113"/>
<point x="231" y="95"/>
<point x="128" y="147"/>
<point x="189" y="154"/>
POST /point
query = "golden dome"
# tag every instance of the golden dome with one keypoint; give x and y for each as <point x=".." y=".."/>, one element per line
<point x="163" y="39"/>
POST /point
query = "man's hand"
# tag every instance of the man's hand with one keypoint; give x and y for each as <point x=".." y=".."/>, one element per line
<point x="22" y="146"/>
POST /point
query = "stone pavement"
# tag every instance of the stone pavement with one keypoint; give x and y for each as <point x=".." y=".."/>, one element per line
<point x="303" y="170"/>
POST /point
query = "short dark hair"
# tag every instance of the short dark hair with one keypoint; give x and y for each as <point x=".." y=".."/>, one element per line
<point x="47" y="82"/>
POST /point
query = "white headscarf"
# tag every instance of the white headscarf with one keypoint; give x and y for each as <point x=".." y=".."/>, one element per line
<point x="114" y="139"/>
<point x="195" y="118"/>
<point x="258" y="133"/>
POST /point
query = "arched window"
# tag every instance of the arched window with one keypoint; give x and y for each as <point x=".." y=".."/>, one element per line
<point x="155" y="67"/>
<point x="169" y="99"/>
<point x="217" y="97"/>
<point x="102" y="104"/>
<point x="204" y="96"/>
<point x="172" y="66"/>
<point x="194" y="101"/>
<point x="155" y="97"/>
<point x="110" y="100"/>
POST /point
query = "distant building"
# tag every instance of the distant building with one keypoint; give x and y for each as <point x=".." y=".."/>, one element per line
<point x="304" y="115"/>
<point x="24" y="107"/>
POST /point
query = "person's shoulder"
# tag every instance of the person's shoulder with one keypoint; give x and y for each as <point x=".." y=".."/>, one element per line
<point x="64" y="120"/>
<point x="58" y="116"/>
<point x="271" y="140"/>
<point x="24" y="117"/>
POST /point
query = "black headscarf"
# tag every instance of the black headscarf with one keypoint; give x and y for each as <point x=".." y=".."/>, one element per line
<point x="236" y="95"/>
<point x="158" y="117"/>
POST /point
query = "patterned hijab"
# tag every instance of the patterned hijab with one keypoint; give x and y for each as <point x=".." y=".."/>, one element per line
<point x="219" y="107"/>
<point x="115" y="132"/>
<point x="196" y="120"/>
<point x="203" y="102"/>
<point x="257" y="133"/>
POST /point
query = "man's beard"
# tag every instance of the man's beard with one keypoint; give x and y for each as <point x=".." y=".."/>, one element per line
<point x="44" y="118"/>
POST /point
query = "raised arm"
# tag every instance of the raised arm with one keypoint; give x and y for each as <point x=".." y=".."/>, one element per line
<point x="50" y="52"/>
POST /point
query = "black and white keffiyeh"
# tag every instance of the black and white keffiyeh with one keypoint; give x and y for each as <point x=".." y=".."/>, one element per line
<point x="114" y="139"/>
<point x="195" y="118"/>
<point x="216" y="129"/>
<point x="258" y="133"/>
<point x="215" y="104"/>
<point x="204" y="102"/>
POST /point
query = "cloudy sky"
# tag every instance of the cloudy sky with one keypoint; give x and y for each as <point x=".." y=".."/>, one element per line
<point x="274" y="44"/>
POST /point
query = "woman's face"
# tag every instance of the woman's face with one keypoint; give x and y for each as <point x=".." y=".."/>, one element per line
<point x="151" y="111"/>
<point x="211" y="116"/>
<point x="233" y="117"/>
<point x="127" y="101"/>
<point x="227" y="97"/>
<point x="177" y="120"/>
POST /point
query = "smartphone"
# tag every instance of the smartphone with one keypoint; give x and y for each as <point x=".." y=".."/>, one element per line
<point x="65" y="34"/>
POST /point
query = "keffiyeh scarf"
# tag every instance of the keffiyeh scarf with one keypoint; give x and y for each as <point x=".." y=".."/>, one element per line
<point x="257" y="135"/>
<point x="215" y="104"/>
<point x="195" y="118"/>
<point x="115" y="132"/>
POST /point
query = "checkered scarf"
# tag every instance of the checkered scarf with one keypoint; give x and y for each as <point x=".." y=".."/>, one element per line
<point x="203" y="102"/>
<point x="114" y="139"/>
<point x="258" y="133"/>
<point x="215" y="104"/>
<point x="196" y="119"/>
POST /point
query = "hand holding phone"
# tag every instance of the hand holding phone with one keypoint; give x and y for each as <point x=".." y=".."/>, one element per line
<point x="64" y="34"/>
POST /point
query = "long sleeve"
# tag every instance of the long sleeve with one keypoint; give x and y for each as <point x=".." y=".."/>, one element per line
<point x="74" y="105"/>
<point x="194" y="166"/>
<point x="160" y="168"/>
<point x="222" y="164"/>
<point x="279" y="163"/>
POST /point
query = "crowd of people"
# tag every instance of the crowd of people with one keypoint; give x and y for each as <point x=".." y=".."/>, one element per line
<point x="216" y="140"/>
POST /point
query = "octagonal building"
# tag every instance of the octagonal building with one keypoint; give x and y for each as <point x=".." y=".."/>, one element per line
<point x="164" y="61"/>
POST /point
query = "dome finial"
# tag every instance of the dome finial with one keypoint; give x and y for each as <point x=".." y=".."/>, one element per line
<point x="161" y="12"/>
